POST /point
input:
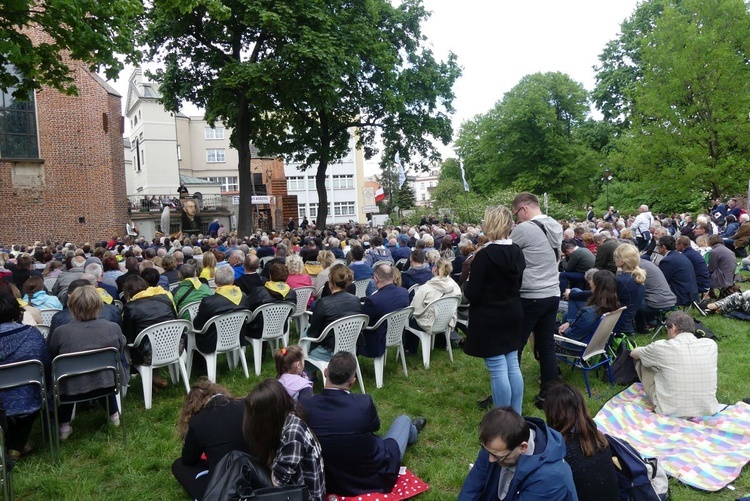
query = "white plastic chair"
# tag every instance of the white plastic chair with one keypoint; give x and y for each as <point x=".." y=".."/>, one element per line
<point x="44" y="329"/>
<point x="400" y="263"/>
<point x="346" y="330"/>
<point x="191" y="308"/>
<point x="165" y="349"/>
<point x="338" y="260"/>
<point x="49" y="282"/>
<point x="444" y="309"/>
<point x="361" y="286"/>
<point x="299" y="317"/>
<point x="173" y="286"/>
<point x="212" y="284"/>
<point x="47" y="316"/>
<point x="228" y="330"/>
<point x="264" y="260"/>
<point x="275" y="327"/>
<point x="396" y="322"/>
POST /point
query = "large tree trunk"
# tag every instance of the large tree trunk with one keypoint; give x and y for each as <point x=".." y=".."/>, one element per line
<point x="320" y="187"/>
<point x="245" y="213"/>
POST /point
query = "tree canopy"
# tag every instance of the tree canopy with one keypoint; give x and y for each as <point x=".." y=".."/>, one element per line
<point x="530" y="140"/>
<point x="300" y="78"/>
<point x="94" y="32"/>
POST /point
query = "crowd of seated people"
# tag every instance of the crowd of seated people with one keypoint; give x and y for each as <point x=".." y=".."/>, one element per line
<point x="225" y="274"/>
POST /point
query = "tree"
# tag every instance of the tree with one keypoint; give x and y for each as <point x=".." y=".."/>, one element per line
<point x="94" y="32"/>
<point x="529" y="140"/>
<point x="300" y="78"/>
<point x="407" y="198"/>
<point x="694" y="99"/>
<point x="450" y="170"/>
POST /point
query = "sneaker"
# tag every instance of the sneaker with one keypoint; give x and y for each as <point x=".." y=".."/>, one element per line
<point x="115" y="419"/>
<point x="16" y="455"/>
<point x="539" y="402"/>
<point x="64" y="431"/>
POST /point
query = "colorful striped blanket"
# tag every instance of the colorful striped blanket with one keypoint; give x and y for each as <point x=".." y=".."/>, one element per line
<point x="706" y="453"/>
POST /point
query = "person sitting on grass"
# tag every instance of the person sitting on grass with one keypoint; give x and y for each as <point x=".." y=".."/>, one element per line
<point x="519" y="458"/>
<point x="290" y="366"/>
<point x="679" y="374"/>
<point x="209" y="424"/>
<point x="356" y="460"/>
<point x="587" y="450"/>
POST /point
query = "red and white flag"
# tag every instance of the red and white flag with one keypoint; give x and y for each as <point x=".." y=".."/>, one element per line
<point x="379" y="195"/>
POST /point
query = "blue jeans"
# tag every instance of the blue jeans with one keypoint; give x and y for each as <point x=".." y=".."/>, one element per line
<point x="403" y="432"/>
<point x="506" y="380"/>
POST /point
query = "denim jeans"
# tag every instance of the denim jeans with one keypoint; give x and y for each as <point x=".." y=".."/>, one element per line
<point x="506" y="380"/>
<point x="403" y="432"/>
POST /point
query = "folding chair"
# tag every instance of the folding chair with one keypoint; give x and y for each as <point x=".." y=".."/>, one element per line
<point x="70" y="365"/>
<point x="165" y="352"/>
<point x="5" y="473"/>
<point x="299" y="317"/>
<point x="29" y="372"/>
<point x="275" y="327"/>
<point x="444" y="308"/>
<point x="346" y="330"/>
<point x="228" y="331"/>
<point x="395" y="322"/>
<point x="581" y="356"/>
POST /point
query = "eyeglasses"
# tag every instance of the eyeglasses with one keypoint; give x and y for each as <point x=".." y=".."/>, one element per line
<point x="515" y="214"/>
<point x="499" y="459"/>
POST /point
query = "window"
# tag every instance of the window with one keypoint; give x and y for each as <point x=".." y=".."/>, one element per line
<point x="313" y="210"/>
<point x="18" y="134"/>
<point x="214" y="133"/>
<point x="179" y="152"/>
<point x="343" y="209"/>
<point x="295" y="183"/>
<point x="215" y="155"/>
<point x="228" y="183"/>
<point x="423" y="196"/>
<point x="343" y="181"/>
<point x="311" y="183"/>
<point x="301" y="211"/>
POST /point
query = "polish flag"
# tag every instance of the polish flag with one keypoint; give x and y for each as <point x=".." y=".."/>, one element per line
<point x="379" y="195"/>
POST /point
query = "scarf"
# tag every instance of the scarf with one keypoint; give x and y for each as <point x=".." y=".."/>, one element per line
<point x="231" y="292"/>
<point x="106" y="297"/>
<point x="278" y="287"/>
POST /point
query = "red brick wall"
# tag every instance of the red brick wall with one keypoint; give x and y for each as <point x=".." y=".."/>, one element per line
<point x="83" y="171"/>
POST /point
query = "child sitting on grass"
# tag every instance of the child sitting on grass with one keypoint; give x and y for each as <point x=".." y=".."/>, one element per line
<point x="290" y="364"/>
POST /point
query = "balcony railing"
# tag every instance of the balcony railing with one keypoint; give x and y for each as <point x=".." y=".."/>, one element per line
<point x="156" y="203"/>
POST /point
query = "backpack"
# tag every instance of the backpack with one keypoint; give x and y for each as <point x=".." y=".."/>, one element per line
<point x="622" y="364"/>
<point x="701" y="331"/>
<point x="639" y="479"/>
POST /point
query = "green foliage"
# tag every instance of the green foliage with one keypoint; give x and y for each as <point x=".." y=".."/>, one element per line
<point x="406" y="198"/>
<point x="450" y="169"/>
<point x="299" y="78"/>
<point x="530" y="141"/>
<point x="100" y="34"/>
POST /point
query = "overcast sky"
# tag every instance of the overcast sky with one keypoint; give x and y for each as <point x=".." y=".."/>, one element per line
<point x="500" y="41"/>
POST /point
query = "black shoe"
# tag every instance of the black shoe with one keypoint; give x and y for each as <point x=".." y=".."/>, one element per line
<point x="485" y="404"/>
<point x="539" y="402"/>
<point x="746" y="400"/>
<point x="419" y="423"/>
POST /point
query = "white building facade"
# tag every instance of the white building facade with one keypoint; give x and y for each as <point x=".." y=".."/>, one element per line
<point x="423" y="185"/>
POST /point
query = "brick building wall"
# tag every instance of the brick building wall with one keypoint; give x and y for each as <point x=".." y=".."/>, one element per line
<point x="76" y="190"/>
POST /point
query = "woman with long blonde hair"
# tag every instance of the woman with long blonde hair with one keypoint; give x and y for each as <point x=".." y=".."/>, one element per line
<point x="631" y="287"/>
<point x="210" y="423"/>
<point x="208" y="262"/>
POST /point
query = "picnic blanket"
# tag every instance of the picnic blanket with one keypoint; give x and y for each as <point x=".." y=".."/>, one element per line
<point x="407" y="485"/>
<point x="706" y="453"/>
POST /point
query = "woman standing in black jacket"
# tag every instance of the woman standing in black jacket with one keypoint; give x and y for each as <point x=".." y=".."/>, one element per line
<point x="493" y="290"/>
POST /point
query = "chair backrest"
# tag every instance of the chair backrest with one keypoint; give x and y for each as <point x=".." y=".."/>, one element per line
<point x="396" y="322"/>
<point x="191" y="308"/>
<point x="228" y="329"/>
<point x="361" y="286"/>
<point x="49" y="282"/>
<point x="44" y="329"/>
<point x="265" y="260"/>
<point x="165" y="340"/>
<point x="339" y="261"/>
<point x="413" y="289"/>
<point x="173" y="286"/>
<point x="118" y="303"/>
<point x="346" y="331"/>
<point x="47" y="316"/>
<point x="600" y="337"/>
<point x="400" y="263"/>
<point x="444" y="309"/>
<point x="275" y="316"/>
<point x="22" y="373"/>
<point x="303" y="296"/>
<point x="212" y="284"/>
<point x="86" y="362"/>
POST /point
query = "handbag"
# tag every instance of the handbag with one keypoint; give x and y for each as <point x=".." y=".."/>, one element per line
<point x="280" y="493"/>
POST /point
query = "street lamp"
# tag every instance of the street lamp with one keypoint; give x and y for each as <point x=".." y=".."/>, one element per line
<point x="607" y="179"/>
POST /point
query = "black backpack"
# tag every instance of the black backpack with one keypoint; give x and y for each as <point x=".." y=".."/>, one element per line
<point x="639" y="479"/>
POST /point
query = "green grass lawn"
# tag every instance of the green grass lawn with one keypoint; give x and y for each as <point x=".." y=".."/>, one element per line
<point x="96" y="465"/>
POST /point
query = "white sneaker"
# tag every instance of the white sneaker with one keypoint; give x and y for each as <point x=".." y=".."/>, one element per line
<point x="65" y="431"/>
<point x="115" y="419"/>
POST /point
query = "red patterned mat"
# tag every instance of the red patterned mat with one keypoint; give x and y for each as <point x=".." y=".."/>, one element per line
<point x="408" y="485"/>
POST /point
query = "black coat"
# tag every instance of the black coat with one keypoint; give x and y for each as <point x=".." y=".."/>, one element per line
<point x="211" y="306"/>
<point x="141" y="313"/>
<point x="259" y="296"/>
<point x="495" y="310"/>
<point x="249" y="281"/>
<point x="328" y="309"/>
